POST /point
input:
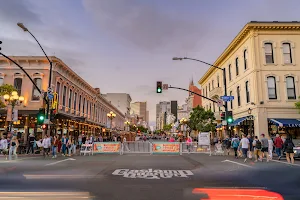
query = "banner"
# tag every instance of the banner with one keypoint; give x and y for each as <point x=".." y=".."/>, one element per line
<point x="166" y="147"/>
<point x="204" y="139"/>
<point x="107" y="147"/>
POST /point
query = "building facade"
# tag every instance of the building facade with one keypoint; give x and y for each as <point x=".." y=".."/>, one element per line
<point x="194" y="100"/>
<point x="79" y="107"/>
<point x="140" y="109"/>
<point x="262" y="66"/>
<point x="120" y="100"/>
<point x="165" y="111"/>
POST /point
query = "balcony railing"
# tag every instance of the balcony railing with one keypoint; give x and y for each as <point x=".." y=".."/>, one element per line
<point x="215" y="92"/>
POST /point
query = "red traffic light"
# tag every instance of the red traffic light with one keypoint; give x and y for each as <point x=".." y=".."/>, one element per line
<point x="44" y="126"/>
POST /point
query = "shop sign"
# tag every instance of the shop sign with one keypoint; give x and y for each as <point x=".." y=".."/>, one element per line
<point x="166" y="147"/>
<point x="251" y="117"/>
<point x="107" y="147"/>
<point x="294" y="125"/>
<point x="204" y="138"/>
<point x="152" y="174"/>
<point x="54" y="101"/>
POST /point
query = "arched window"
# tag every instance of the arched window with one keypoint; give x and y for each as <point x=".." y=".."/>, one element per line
<point x="247" y="92"/>
<point x="238" y="94"/>
<point x="245" y="59"/>
<point x="272" y="93"/>
<point x="269" y="53"/>
<point x="18" y="85"/>
<point x="287" y="53"/>
<point x="290" y="87"/>
<point x="237" y="66"/>
<point x="35" y="93"/>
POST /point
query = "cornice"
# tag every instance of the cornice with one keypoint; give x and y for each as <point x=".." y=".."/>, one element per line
<point x="250" y="28"/>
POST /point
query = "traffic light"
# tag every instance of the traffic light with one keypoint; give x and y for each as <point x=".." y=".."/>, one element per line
<point x="229" y="117"/>
<point x="44" y="126"/>
<point x="52" y="114"/>
<point x="222" y="115"/>
<point x="41" y="116"/>
<point x="0" y="43"/>
<point x="158" y="87"/>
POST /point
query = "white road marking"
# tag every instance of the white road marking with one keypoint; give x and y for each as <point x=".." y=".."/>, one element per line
<point x="54" y="163"/>
<point x="244" y="165"/>
<point x="60" y="176"/>
<point x="278" y="161"/>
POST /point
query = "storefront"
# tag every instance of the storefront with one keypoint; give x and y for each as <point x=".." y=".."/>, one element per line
<point x="285" y="127"/>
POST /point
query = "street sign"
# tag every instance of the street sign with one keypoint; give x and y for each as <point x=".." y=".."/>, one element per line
<point x="165" y="86"/>
<point x="50" y="96"/>
<point x="227" y="98"/>
<point x="220" y="103"/>
<point x="224" y="122"/>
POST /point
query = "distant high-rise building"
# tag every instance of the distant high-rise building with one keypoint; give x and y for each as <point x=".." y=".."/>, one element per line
<point x="120" y="100"/>
<point x="140" y="109"/>
<point x="164" y="112"/>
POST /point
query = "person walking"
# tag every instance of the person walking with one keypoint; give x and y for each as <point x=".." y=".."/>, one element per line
<point x="12" y="147"/>
<point x="251" y="146"/>
<point x="278" y="145"/>
<point x="64" y="141"/>
<point x="235" y="145"/>
<point x="245" y="144"/>
<point x="54" y="146"/>
<point x="271" y="147"/>
<point x="70" y="145"/>
<point x="31" y="140"/>
<point x="289" y="149"/>
<point x="4" y="146"/>
<point x="46" y="143"/>
<point x="265" y="147"/>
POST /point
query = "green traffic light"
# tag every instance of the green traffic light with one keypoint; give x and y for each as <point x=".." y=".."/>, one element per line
<point x="230" y="120"/>
<point x="41" y="118"/>
<point x="159" y="90"/>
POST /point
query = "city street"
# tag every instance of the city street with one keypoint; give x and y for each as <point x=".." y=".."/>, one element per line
<point x="105" y="177"/>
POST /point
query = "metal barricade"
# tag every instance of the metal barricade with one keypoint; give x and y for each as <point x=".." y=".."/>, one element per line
<point x="194" y="147"/>
<point x="136" y="147"/>
<point x="86" y="149"/>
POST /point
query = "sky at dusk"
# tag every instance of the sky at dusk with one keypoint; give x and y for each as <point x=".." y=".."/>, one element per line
<point x="128" y="45"/>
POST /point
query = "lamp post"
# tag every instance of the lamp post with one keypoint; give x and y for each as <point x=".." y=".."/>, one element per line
<point x="21" y="25"/>
<point x="12" y="100"/>
<point x="183" y="122"/>
<point x="111" y="115"/>
<point x="224" y="79"/>
<point x="127" y="124"/>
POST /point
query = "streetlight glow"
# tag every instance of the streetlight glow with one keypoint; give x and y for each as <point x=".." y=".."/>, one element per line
<point x="14" y="93"/>
<point x="6" y="96"/>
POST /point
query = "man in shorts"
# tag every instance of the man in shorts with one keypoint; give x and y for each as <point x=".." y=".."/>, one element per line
<point x="265" y="146"/>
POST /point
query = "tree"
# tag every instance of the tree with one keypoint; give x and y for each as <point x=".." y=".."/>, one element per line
<point x="5" y="89"/>
<point x="167" y="127"/>
<point x="201" y="120"/>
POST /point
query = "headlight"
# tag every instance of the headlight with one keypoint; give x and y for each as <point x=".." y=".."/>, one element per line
<point x="295" y="151"/>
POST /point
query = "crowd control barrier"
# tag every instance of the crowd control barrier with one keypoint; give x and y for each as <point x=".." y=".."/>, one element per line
<point x="136" y="147"/>
<point x="86" y="149"/>
<point x="107" y="147"/>
<point x="194" y="147"/>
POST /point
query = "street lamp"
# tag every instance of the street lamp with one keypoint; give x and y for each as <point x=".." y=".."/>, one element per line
<point x="224" y="78"/>
<point x="22" y="26"/>
<point x="12" y="100"/>
<point x="111" y="115"/>
<point x="127" y="123"/>
<point x="184" y="122"/>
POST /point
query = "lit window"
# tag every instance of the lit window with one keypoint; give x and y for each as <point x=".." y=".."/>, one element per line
<point x="35" y="92"/>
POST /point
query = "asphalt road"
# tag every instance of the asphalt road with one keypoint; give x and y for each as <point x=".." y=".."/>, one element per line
<point x="108" y="177"/>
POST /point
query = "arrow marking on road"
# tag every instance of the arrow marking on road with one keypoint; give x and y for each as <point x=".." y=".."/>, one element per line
<point x="54" y="163"/>
<point x="237" y="163"/>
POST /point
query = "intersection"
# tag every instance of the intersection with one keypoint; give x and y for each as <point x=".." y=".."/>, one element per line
<point x="100" y="176"/>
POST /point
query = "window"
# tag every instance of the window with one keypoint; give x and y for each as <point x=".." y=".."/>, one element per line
<point x="206" y="91"/>
<point x="218" y="81"/>
<point x="1" y="81"/>
<point x="75" y="101"/>
<point x="214" y="107"/>
<point x="287" y="53"/>
<point x="79" y="104"/>
<point x="238" y="94"/>
<point x="18" y="85"/>
<point x="269" y="53"/>
<point x="209" y="86"/>
<point x="290" y="87"/>
<point x="212" y="84"/>
<point x="272" y="87"/>
<point x="64" y="96"/>
<point x="231" y="102"/>
<point x="70" y="99"/>
<point x="58" y="91"/>
<point x="203" y="92"/>
<point x="35" y="92"/>
<point x="237" y="66"/>
<point x="247" y="92"/>
<point x="245" y="58"/>
<point x="83" y="106"/>
<point x="209" y="106"/>
<point x="229" y="72"/>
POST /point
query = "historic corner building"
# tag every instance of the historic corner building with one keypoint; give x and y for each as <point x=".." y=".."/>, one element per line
<point x="80" y="108"/>
<point x="262" y="66"/>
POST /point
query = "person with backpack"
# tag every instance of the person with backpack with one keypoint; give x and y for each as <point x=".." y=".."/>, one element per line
<point x="235" y="145"/>
<point x="288" y="147"/>
<point x="257" y="149"/>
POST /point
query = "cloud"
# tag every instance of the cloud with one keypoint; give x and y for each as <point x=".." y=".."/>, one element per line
<point x="145" y="25"/>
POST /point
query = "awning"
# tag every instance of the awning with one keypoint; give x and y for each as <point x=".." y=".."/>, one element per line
<point x="219" y="126"/>
<point x="286" y="122"/>
<point x="238" y="121"/>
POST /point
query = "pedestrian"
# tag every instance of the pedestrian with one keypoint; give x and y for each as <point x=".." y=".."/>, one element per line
<point x="12" y="147"/>
<point x="31" y="140"/>
<point x="251" y="146"/>
<point x="289" y="149"/>
<point x="189" y="142"/>
<point x="70" y="145"/>
<point x="271" y="147"/>
<point x="125" y="144"/>
<point x="235" y="144"/>
<point x="257" y="149"/>
<point x="64" y="141"/>
<point x="227" y="144"/>
<point x="46" y="143"/>
<point x="4" y="146"/>
<point x="54" y="147"/>
<point x="278" y="145"/>
<point x="265" y="147"/>
<point x="245" y="144"/>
